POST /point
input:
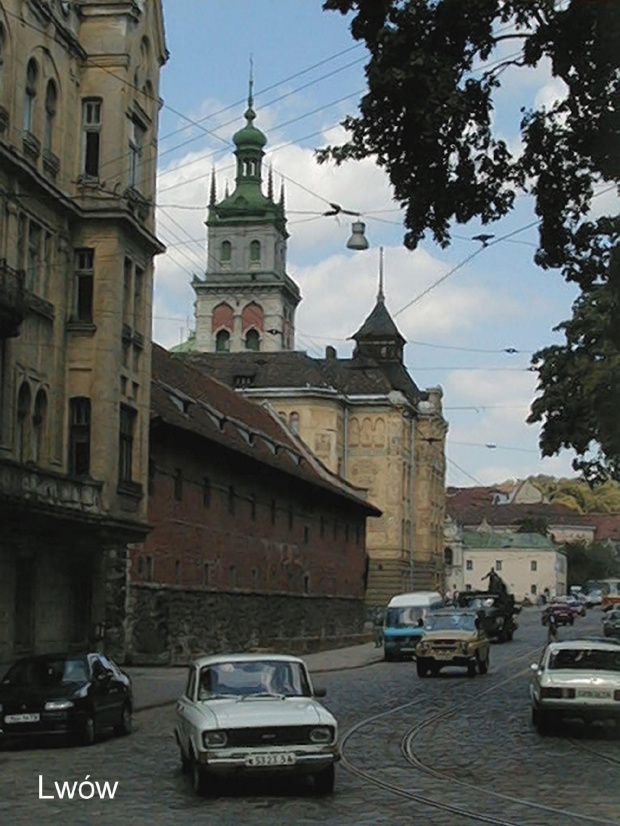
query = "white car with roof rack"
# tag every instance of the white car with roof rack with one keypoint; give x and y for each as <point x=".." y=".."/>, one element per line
<point x="254" y="714"/>
<point x="576" y="679"/>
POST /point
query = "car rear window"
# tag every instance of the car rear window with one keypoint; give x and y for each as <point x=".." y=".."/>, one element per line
<point x="586" y="659"/>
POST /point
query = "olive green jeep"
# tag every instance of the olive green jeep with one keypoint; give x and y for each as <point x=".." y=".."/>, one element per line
<point x="453" y="637"/>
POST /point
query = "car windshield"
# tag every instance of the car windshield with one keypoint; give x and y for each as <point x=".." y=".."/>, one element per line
<point x="454" y="622"/>
<point x="478" y="603"/>
<point x="586" y="659"/>
<point x="404" y="617"/>
<point x="42" y="672"/>
<point x="245" y="679"/>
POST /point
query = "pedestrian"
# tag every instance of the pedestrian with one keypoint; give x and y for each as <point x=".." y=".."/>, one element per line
<point x="552" y="628"/>
<point x="377" y="624"/>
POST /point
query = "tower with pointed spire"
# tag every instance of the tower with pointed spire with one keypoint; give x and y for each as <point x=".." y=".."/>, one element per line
<point x="246" y="300"/>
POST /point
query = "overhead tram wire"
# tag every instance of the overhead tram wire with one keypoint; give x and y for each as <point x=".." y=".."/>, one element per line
<point x="464" y="472"/>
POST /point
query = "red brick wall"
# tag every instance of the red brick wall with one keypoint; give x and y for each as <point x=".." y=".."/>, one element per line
<point x="308" y="542"/>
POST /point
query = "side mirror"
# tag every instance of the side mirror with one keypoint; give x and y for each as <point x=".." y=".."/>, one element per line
<point x="534" y="667"/>
<point x="100" y="673"/>
<point x="320" y="692"/>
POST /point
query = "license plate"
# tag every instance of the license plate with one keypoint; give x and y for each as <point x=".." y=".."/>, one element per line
<point x="591" y="692"/>
<point x="22" y="718"/>
<point x="271" y="759"/>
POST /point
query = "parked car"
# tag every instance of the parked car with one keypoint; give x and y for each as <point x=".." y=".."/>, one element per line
<point x="577" y="606"/>
<point x="254" y="714"/>
<point x="75" y="695"/>
<point x="611" y="623"/>
<point x="575" y="679"/>
<point x="453" y="638"/>
<point x="561" y="611"/>
<point x="594" y="597"/>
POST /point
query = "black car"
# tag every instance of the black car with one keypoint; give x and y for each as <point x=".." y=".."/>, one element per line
<point x="76" y="695"/>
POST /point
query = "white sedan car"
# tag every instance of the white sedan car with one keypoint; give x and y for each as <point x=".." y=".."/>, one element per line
<point x="251" y="714"/>
<point x="576" y="679"/>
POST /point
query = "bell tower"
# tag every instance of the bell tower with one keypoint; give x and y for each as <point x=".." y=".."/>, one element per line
<point x="246" y="301"/>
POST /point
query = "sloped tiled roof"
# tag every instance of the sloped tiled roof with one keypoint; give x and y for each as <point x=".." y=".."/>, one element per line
<point x="473" y="540"/>
<point x="186" y="398"/>
<point x="379" y="325"/>
<point x="293" y="369"/>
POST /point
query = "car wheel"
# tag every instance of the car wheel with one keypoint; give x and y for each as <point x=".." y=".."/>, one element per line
<point x="471" y="668"/>
<point x="434" y="669"/>
<point x="541" y="721"/>
<point x="483" y="665"/>
<point x="125" y="725"/>
<point x="201" y="782"/>
<point x="421" y="667"/>
<point x="324" y="780"/>
<point x="87" y="735"/>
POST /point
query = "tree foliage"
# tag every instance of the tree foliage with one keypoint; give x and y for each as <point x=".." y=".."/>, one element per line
<point x="427" y="119"/>
<point x="595" y="561"/>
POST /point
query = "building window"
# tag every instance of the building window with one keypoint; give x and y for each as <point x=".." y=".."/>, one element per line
<point x="178" y="484"/>
<point x="469" y="565"/>
<point x="533" y="565"/>
<point x="254" y="252"/>
<point x="91" y="137"/>
<point x="79" y="436"/>
<point x="149" y="569"/>
<point x="533" y="589"/>
<point x="51" y="104"/>
<point x="126" y="436"/>
<point x="206" y="492"/>
<point x="140" y="566"/>
<point x="294" y="422"/>
<point x="306" y="534"/>
<point x="33" y="258"/>
<point x="498" y="564"/>
<point x="23" y="421"/>
<point x="225" y="252"/>
<point x="306" y="584"/>
<point x="177" y="572"/>
<point x="222" y="342"/>
<point x="252" y="340"/>
<point x="32" y="75"/>
<point x="448" y="557"/>
<point x="231" y="499"/>
<point x="137" y="134"/>
<point x="38" y="425"/>
<point x="84" y="284"/>
<point x="138" y="298"/>
<point x="468" y="587"/>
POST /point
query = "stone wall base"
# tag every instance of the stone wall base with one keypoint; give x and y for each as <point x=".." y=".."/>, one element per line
<point x="170" y="626"/>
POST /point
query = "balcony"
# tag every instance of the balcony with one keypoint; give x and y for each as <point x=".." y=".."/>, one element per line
<point x="12" y="300"/>
<point x="42" y="490"/>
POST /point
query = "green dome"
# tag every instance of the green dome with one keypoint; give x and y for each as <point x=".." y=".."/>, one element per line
<point x="249" y="136"/>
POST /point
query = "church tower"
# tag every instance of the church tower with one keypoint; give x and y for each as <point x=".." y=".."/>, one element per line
<point x="246" y="301"/>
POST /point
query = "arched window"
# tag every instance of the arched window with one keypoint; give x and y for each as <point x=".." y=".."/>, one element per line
<point x="225" y="252"/>
<point x="38" y="425"/>
<point x="32" y="75"/>
<point x="51" y="103"/>
<point x="254" y="252"/>
<point x="252" y="340"/>
<point x="294" y="422"/>
<point x="222" y="342"/>
<point x="448" y="557"/>
<point x="23" y="419"/>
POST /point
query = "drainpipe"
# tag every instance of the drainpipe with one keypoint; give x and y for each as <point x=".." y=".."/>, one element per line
<point x="345" y="439"/>
<point x="411" y="500"/>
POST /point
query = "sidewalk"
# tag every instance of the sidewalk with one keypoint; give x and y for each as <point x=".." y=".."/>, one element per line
<point x="157" y="686"/>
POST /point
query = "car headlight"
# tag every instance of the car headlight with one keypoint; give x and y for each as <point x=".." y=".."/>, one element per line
<point x="322" y="734"/>
<point x="58" y="705"/>
<point x="214" y="739"/>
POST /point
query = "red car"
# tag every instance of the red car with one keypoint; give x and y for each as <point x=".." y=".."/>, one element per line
<point x="561" y="611"/>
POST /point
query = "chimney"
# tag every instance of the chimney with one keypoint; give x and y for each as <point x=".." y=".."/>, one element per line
<point x="330" y="352"/>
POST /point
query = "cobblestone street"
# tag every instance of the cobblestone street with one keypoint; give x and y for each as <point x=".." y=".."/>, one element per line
<point x="470" y="743"/>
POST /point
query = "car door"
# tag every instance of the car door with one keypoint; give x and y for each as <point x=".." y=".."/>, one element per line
<point x="103" y="699"/>
<point x="117" y="691"/>
<point x="184" y="704"/>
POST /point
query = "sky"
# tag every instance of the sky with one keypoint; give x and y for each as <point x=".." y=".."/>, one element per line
<point x="459" y="317"/>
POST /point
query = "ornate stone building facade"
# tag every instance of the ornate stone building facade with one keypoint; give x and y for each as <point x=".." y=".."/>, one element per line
<point x="79" y="107"/>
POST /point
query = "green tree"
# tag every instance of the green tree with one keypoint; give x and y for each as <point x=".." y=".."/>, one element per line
<point x="595" y="561"/>
<point x="426" y="118"/>
<point x="533" y="524"/>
